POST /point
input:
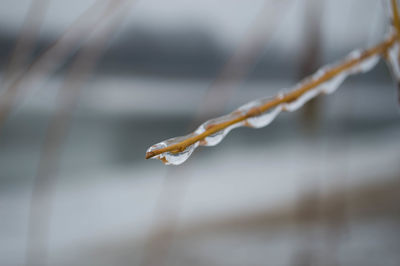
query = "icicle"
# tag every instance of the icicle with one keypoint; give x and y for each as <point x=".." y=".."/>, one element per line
<point x="267" y="117"/>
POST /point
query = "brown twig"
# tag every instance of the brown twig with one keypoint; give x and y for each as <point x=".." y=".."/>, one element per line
<point x="26" y="40"/>
<point x="396" y="18"/>
<point x="307" y="85"/>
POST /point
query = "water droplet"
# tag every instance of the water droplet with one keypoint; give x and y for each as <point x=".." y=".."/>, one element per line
<point x="217" y="137"/>
<point x="180" y="157"/>
<point x="299" y="102"/>
<point x="332" y="85"/>
<point x="265" y="118"/>
<point x="364" y="66"/>
<point x="174" y="158"/>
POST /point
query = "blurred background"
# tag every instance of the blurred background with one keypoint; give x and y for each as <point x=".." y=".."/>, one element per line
<point x="87" y="86"/>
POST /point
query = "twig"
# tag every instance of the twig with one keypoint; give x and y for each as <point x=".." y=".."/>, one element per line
<point x="26" y="40"/>
<point x="52" y="57"/>
<point x="244" y="58"/>
<point x="306" y="86"/>
<point x="67" y="98"/>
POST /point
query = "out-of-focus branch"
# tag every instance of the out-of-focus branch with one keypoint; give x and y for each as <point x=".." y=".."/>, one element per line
<point x="244" y="57"/>
<point x="310" y="58"/>
<point x="26" y="39"/>
<point x="67" y="98"/>
<point x="396" y="18"/>
<point x="79" y="31"/>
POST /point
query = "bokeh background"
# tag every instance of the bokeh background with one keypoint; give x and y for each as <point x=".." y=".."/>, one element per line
<point x="87" y="86"/>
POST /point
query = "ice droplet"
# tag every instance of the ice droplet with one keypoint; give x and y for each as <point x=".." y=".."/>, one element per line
<point x="299" y="102"/>
<point x="171" y="157"/>
<point x="216" y="137"/>
<point x="362" y="67"/>
<point x="265" y="118"/>
<point x="332" y="85"/>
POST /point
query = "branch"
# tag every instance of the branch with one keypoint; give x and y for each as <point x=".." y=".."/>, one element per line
<point x="396" y="19"/>
<point x="178" y="145"/>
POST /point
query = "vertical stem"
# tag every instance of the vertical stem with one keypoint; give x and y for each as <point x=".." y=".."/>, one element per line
<point x="396" y="19"/>
<point x="26" y="39"/>
<point x="67" y="98"/>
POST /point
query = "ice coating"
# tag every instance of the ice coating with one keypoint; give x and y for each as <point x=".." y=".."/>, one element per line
<point x="265" y="118"/>
<point x="216" y="138"/>
<point x="299" y="102"/>
<point x="393" y="59"/>
<point x="171" y="157"/>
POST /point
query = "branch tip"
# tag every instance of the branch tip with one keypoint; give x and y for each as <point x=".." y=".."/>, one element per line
<point x="149" y="154"/>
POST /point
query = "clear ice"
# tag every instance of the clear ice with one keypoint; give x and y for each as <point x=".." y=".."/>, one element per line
<point x="393" y="63"/>
<point x="268" y="116"/>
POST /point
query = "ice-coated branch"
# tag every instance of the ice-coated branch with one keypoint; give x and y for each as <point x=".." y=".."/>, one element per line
<point x="260" y="113"/>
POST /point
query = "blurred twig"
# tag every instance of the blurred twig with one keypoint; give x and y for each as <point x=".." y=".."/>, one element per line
<point x="26" y="40"/>
<point x="243" y="59"/>
<point x="396" y="18"/>
<point x="67" y="99"/>
<point x="309" y="62"/>
<point x="55" y="54"/>
<point x="311" y="57"/>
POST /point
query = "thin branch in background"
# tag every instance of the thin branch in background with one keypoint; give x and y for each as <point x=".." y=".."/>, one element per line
<point x="67" y="98"/>
<point x="310" y="60"/>
<point x="165" y="217"/>
<point x="26" y="40"/>
<point x="50" y="59"/>
<point x="243" y="59"/>
<point x="396" y="17"/>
